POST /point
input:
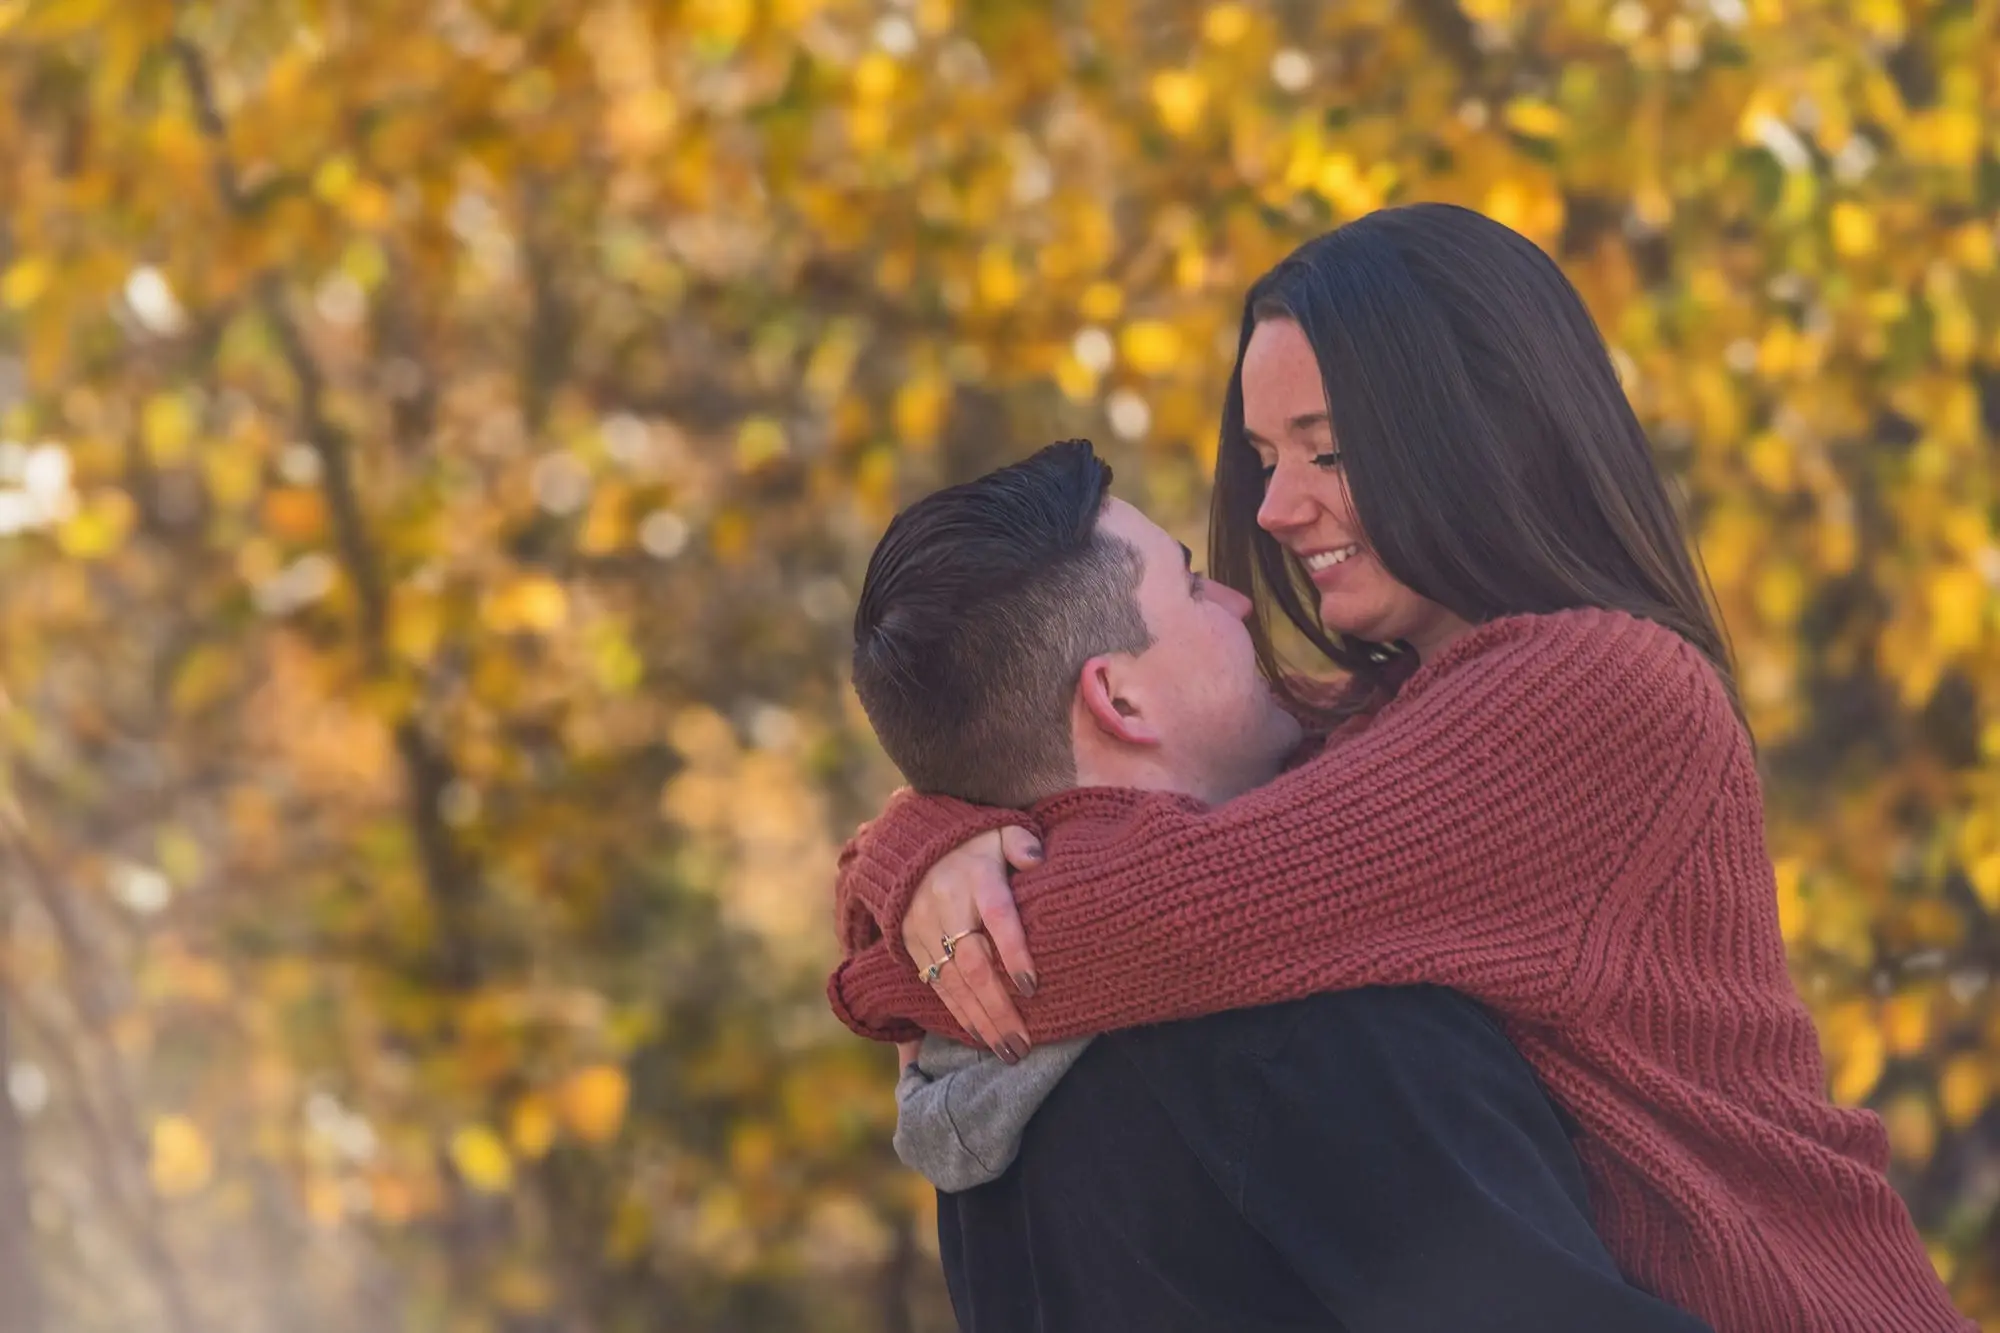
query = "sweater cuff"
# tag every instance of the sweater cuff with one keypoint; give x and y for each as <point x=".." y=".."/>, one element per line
<point x="851" y="973"/>
<point x="889" y="858"/>
<point x="904" y="1009"/>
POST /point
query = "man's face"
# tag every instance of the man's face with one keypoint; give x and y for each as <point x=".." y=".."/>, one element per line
<point x="1222" y="731"/>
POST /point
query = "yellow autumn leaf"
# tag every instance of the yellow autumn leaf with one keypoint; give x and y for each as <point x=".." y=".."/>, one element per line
<point x="1101" y="302"/>
<point x="1150" y="346"/>
<point x="1964" y="1089"/>
<point x="999" y="279"/>
<point x="168" y="424"/>
<point x="334" y="178"/>
<point x="534" y="602"/>
<point x="1858" y="1068"/>
<point x="1341" y="182"/>
<point x="1855" y="233"/>
<point x="730" y="535"/>
<point x="875" y="77"/>
<point x="1958" y="599"/>
<point x="25" y="281"/>
<point x="919" y="407"/>
<point x="1535" y="118"/>
<point x="416" y="623"/>
<point x="1179" y="97"/>
<point x="1780" y="594"/>
<point x="641" y="122"/>
<point x="1906" y="1020"/>
<point x="482" y="1159"/>
<point x="1985" y="873"/>
<point x="1077" y="381"/>
<point x="1953" y="332"/>
<point x="1226" y="24"/>
<point x="721" y="24"/>
<point x="99" y="526"/>
<point x="203" y="677"/>
<point x="592" y="1102"/>
<point x="1972" y="247"/>
<point x="759" y="440"/>
<point x="1770" y="460"/>
<point x="181" y="1161"/>
<point x="1912" y="1128"/>
<point x="1791" y="903"/>
<point x="532" y="1128"/>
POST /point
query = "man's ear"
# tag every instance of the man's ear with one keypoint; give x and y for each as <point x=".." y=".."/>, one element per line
<point x="1098" y="689"/>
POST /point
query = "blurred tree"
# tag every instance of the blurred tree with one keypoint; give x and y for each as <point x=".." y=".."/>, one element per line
<point x="439" y="441"/>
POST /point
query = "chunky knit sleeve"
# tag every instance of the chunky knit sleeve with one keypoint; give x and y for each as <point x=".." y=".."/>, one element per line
<point x="874" y="882"/>
<point x="1494" y="828"/>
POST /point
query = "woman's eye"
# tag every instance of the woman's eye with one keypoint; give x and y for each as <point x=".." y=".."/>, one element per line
<point x="1328" y="460"/>
<point x="1266" y="471"/>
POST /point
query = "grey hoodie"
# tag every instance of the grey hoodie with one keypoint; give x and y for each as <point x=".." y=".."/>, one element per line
<point x="961" y="1112"/>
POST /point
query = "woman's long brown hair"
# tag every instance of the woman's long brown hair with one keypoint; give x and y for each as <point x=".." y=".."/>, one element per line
<point x="1495" y="464"/>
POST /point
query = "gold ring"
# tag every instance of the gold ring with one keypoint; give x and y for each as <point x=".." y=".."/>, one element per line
<point x="930" y="974"/>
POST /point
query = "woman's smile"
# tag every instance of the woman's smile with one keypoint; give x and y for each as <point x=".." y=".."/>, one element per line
<point x="1327" y="566"/>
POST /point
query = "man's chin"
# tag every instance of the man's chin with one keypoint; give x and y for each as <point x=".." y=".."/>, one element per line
<point x="1285" y="745"/>
<point x="1282" y="737"/>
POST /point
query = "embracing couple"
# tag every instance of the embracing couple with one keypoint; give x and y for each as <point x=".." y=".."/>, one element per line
<point x="1449" y="996"/>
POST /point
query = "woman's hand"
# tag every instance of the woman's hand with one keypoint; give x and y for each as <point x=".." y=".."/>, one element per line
<point x="964" y="895"/>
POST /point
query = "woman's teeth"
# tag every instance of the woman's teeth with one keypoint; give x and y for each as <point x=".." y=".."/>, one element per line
<point x="1328" y="559"/>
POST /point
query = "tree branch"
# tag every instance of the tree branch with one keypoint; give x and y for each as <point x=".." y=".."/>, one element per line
<point x="117" y="1133"/>
<point x="450" y="874"/>
<point x="21" y="1303"/>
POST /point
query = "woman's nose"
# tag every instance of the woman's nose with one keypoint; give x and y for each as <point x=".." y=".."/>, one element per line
<point x="1284" y="506"/>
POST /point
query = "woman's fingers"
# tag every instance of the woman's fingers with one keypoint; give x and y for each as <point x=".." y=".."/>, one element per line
<point x="1020" y="846"/>
<point x="993" y="896"/>
<point x="975" y="970"/>
<point x="965" y="893"/>
<point x="968" y="1007"/>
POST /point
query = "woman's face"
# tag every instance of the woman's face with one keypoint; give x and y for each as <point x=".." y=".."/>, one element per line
<point x="1307" y="507"/>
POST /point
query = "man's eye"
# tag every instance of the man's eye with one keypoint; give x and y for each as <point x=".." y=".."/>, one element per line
<point x="1328" y="460"/>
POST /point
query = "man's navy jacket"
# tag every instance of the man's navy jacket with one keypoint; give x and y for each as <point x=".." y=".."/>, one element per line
<point x="1375" y="1161"/>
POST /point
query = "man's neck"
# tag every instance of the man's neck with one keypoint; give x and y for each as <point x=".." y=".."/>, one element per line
<point x="1140" y="776"/>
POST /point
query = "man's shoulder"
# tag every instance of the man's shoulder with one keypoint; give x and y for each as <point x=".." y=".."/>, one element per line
<point x="1371" y="1014"/>
<point x="1341" y="1060"/>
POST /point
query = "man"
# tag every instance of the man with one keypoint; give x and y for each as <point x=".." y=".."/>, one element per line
<point x="1379" y="1159"/>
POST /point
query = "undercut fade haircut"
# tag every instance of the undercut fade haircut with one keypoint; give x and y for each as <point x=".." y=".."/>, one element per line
<point x="980" y="606"/>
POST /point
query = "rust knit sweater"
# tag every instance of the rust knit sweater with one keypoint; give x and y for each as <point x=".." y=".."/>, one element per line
<point x="1560" y="817"/>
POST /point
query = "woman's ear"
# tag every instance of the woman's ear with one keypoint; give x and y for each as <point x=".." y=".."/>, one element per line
<point x="1099" y="688"/>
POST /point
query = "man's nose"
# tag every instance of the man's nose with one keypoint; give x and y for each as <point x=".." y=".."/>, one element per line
<point x="1228" y="599"/>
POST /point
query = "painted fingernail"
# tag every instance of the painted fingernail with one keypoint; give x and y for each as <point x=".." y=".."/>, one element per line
<point x="1005" y="1050"/>
<point x="1025" y="983"/>
<point x="1035" y="852"/>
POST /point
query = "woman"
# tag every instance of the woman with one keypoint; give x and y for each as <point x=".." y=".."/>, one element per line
<point x="1541" y="792"/>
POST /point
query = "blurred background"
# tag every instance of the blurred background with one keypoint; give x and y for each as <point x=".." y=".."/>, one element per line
<point x="440" y="441"/>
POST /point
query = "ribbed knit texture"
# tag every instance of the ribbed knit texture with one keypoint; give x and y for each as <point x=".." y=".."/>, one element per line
<point x="1560" y="817"/>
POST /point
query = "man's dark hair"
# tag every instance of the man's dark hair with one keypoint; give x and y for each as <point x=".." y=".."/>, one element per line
<point x="980" y="606"/>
